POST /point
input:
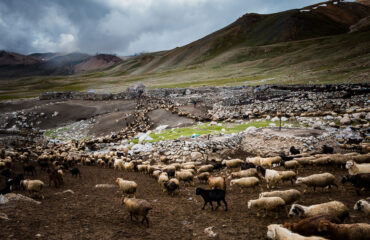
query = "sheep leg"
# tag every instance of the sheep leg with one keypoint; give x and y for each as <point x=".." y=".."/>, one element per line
<point x="218" y="204"/>
<point x="204" y="205"/>
<point x="314" y="188"/>
<point x="147" y="221"/>
<point x="211" y="205"/>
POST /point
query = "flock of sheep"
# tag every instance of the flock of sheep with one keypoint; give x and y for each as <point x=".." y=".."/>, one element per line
<point x="323" y="219"/>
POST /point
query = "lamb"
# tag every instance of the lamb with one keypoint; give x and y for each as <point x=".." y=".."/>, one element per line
<point x="127" y="187"/>
<point x="277" y="232"/>
<point x="272" y="177"/>
<point x="362" y="205"/>
<point x="361" y="180"/>
<point x="162" y="179"/>
<point x="203" y="177"/>
<point x="309" y="226"/>
<point x="217" y="182"/>
<point x="185" y="176"/>
<point x="234" y="163"/>
<point x="33" y="186"/>
<point x="209" y="196"/>
<point x="355" y="231"/>
<point x="245" y="182"/>
<point x="318" y="180"/>
<point x="251" y="172"/>
<point x="288" y="176"/>
<point x="206" y="168"/>
<point x="172" y="185"/>
<point x="334" y="208"/>
<point x="354" y="168"/>
<point x="137" y="207"/>
<point x="289" y="196"/>
<point x="267" y="203"/>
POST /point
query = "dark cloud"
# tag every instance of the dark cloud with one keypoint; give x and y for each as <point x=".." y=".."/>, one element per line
<point x="120" y="26"/>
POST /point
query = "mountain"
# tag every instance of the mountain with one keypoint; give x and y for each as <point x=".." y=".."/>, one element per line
<point x="100" y="61"/>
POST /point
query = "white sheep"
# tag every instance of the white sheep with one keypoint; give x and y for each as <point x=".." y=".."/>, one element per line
<point x="272" y="177"/>
<point x="129" y="166"/>
<point x="254" y="160"/>
<point x="334" y="208"/>
<point x="33" y="186"/>
<point x="318" y="180"/>
<point x="269" y="161"/>
<point x="163" y="177"/>
<point x="354" y="168"/>
<point x="288" y="176"/>
<point x="185" y="176"/>
<point x="137" y="207"/>
<point x="206" y="168"/>
<point x="277" y="232"/>
<point x="291" y="164"/>
<point x="362" y="205"/>
<point x="156" y="173"/>
<point x="245" y="182"/>
<point x="127" y="187"/>
<point x="251" y="172"/>
<point x="234" y="163"/>
<point x="289" y="196"/>
<point x="267" y="203"/>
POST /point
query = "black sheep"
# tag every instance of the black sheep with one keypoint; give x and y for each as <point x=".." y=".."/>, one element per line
<point x="294" y="151"/>
<point x="247" y="165"/>
<point x="7" y="188"/>
<point x="209" y="196"/>
<point x="17" y="180"/>
<point x="171" y="187"/>
<point x="361" y="180"/>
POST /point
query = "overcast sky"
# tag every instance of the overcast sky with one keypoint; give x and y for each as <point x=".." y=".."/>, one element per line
<point x="123" y="27"/>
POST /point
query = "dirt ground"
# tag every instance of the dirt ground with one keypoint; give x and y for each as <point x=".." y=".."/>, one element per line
<point x="93" y="213"/>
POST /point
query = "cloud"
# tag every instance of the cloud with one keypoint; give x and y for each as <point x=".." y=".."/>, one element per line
<point x="120" y="26"/>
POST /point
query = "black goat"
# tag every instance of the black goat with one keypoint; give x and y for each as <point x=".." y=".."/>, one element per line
<point x="7" y="188"/>
<point x="75" y="171"/>
<point x="361" y="180"/>
<point x="29" y="169"/>
<point x="247" y="165"/>
<point x="209" y="196"/>
<point x="294" y="151"/>
<point x="327" y="150"/>
<point x="171" y="187"/>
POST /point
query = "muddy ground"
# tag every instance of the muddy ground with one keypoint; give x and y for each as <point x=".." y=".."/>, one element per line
<point x="93" y="213"/>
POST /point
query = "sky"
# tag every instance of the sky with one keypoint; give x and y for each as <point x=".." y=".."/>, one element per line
<point x="122" y="27"/>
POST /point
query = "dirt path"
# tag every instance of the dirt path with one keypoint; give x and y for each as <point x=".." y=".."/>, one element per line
<point x="93" y="213"/>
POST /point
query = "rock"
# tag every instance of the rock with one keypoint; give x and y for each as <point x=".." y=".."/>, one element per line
<point x="345" y="120"/>
<point x="284" y="119"/>
<point x="210" y="233"/>
<point x="105" y="186"/>
<point x="3" y="216"/>
<point x="275" y="119"/>
<point x="196" y="156"/>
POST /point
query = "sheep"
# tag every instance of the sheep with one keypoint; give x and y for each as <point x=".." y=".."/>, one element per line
<point x="172" y="185"/>
<point x="294" y="151"/>
<point x="137" y="207"/>
<point x="203" y="177"/>
<point x="127" y="187"/>
<point x="318" y="180"/>
<point x="118" y="164"/>
<point x="55" y="177"/>
<point x="321" y="161"/>
<point x="355" y="231"/>
<point x="334" y="208"/>
<point x="288" y="176"/>
<point x="354" y="168"/>
<point x="272" y="177"/>
<point x="142" y="168"/>
<point x="151" y="169"/>
<point x="247" y="165"/>
<point x="206" y="168"/>
<point x="60" y="172"/>
<point x="254" y="160"/>
<point x="309" y="226"/>
<point x="327" y="149"/>
<point x="269" y="161"/>
<point x="245" y="182"/>
<point x="217" y="182"/>
<point x="291" y="164"/>
<point x="163" y="177"/>
<point x="251" y="172"/>
<point x="234" y="163"/>
<point x="289" y="196"/>
<point x="267" y="203"/>
<point x="170" y="170"/>
<point x="185" y="176"/>
<point x="188" y="165"/>
<point x="209" y="196"/>
<point x="129" y="166"/>
<point x="361" y="180"/>
<point x="277" y="232"/>
<point x="33" y="186"/>
<point x="156" y="173"/>
<point x="304" y="160"/>
<point x="8" y="187"/>
<point x="362" y="205"/>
